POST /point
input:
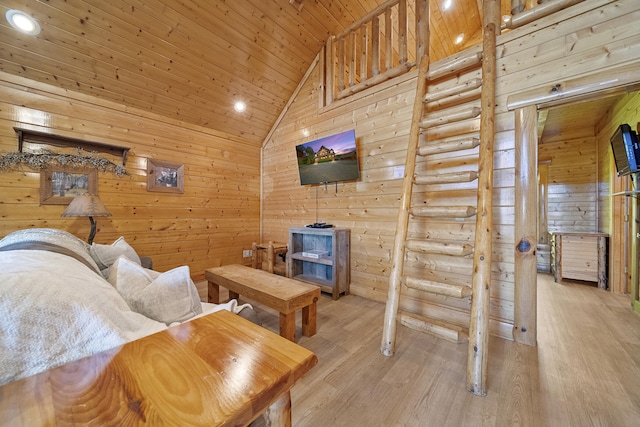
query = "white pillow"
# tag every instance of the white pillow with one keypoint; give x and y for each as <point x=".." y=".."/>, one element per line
<point x="166" y="297"/>
<point x="106" y="255"/>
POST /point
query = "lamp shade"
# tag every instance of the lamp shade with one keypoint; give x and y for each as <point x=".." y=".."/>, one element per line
<point x="86" y="205"/>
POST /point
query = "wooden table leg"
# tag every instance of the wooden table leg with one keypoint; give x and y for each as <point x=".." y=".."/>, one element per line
<point x="213" y="294"/>
<point x="233" y="295"/>
<point x="279" y="413"/>
<point x="309" y="320"/>
<point x="270" y="257"/>
<point x="288" y="326"/>
<point x="254" y="255"/>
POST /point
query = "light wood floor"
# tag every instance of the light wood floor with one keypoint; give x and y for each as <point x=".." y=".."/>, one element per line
<point x="585" y="370"/>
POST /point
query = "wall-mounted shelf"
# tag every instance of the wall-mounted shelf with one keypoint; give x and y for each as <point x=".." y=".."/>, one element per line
<point x="34" y="137"/>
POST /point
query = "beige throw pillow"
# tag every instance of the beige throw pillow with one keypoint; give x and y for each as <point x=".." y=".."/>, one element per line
<point x="106" y="255"/>
<point x="166" y="297"/>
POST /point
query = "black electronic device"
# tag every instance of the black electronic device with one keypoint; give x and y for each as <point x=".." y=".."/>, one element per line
<point x="626" y="152"/>
<point x="319" y="225"/>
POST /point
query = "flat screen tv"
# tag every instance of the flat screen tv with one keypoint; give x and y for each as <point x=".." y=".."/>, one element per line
<point x="329" y="159"/>
<point x="624" y="144"/>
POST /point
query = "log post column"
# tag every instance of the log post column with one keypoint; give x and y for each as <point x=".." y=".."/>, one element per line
<point x="524" y="324"/>
<point x="477" y="358"/>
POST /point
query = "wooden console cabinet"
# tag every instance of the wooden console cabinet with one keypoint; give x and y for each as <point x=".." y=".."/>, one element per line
<point x="321" y="256"/>
<point x="580" y="256"/>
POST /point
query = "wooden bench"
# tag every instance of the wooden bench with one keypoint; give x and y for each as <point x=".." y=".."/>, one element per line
<point x="276" y="292"/>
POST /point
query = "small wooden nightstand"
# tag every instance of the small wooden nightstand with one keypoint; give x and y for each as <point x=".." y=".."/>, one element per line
<point x="272" y="249"/>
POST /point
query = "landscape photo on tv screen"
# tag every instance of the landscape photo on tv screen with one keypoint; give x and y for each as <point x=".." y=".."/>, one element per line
<point x="329" y="159"/>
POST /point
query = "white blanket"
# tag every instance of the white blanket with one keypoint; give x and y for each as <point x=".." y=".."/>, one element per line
<point x="54" y="309"/>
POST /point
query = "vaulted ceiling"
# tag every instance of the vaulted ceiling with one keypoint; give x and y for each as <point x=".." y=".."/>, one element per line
<point x="192" y="59"/>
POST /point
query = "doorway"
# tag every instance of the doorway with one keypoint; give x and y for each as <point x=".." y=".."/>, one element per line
<point x="579" y="190"/>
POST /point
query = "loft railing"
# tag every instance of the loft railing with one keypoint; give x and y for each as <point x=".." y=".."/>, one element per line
<point x="377" y="47"/>
<point x="374" y="49"/>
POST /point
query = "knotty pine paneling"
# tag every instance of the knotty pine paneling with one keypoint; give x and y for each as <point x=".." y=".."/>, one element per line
<point x="209" y="225"/>
<point x="590" y="37"/>
<point x="572" y="195"/>
<point x="568" y="44"/>
<point x="369" y="206"/>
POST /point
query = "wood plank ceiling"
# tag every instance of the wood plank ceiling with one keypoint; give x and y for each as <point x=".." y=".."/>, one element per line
<point x="574" y="120"/>
<point x="192" y="59"/>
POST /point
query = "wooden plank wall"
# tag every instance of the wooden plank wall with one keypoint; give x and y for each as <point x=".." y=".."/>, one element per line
<point x="590" y="36"/>
<point x="612" y="209"/>
<point x="218" y="215"/>
<point x="209" y="225"/>
<point x="572" y="195"/>
<point x="381" y="119"/>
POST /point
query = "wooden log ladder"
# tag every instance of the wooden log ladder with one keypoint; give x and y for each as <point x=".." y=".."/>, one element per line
<point x="433" y="109"/>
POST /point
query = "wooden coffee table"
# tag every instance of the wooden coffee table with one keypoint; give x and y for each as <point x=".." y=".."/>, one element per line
<point x="276" y="292"/>
<point x="217" y="370"/>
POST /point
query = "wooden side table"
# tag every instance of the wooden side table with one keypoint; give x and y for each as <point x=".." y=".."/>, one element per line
<point x="580" y="256"/>
<point x="271" y="249"/>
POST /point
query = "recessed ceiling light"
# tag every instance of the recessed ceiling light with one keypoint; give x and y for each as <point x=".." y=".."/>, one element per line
<point x="22" y="22"/>
<point x="459" y="38"/>
<point x="447" y="4"/>
<point x="239" y="106"/>
<point x="305" y="132"/>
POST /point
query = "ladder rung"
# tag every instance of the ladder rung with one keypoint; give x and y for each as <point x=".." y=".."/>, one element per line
<point x="456" y="90"/>
<point x="442" y="248"/>
<point x="443" y="211"/>
<point x="454" y="100"/>
<point x="456" y="64"/>
<point x="434" y="327"/>
<point x="449" y="146"/>
<point x="450" y="117"/>
<point x="446" y="178"/>
<point x="447" y="289"/>
<point x="458" y="128"/>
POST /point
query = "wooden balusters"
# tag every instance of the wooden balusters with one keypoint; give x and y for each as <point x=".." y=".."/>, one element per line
<point x="364" y="54"/>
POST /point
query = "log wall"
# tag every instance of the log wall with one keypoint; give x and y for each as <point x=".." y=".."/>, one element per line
<point x="209" y="225"/>
<point x="589" y="37"/>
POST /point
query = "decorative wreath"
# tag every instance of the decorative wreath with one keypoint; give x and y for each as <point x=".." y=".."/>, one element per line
<point x="45" y="158"/>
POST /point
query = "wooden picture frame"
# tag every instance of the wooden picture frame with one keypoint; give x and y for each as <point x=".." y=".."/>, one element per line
<point x="165" y="177"/>
<point x="59" y="185"/>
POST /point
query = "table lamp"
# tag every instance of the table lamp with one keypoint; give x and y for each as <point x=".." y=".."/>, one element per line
<point x="87" y="205"/>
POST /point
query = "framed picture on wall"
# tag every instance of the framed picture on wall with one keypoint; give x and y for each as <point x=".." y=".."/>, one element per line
<point x="165" y="177"/>
<point x="59" y="185"/>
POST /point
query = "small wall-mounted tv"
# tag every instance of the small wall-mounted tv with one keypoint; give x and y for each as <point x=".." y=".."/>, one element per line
<point x="329" y="159"/>
<point x="624" y="144"/>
